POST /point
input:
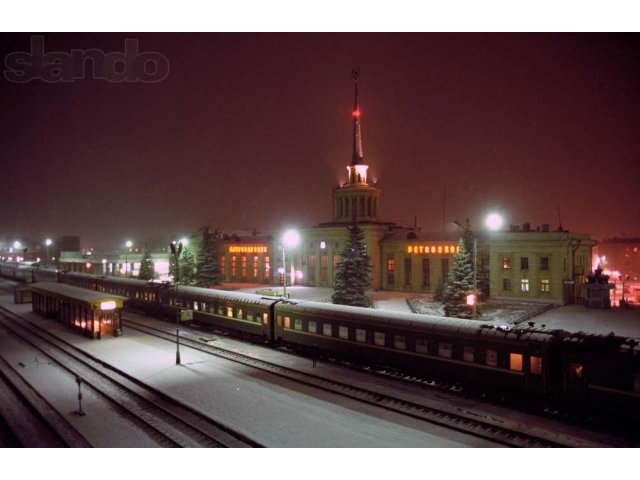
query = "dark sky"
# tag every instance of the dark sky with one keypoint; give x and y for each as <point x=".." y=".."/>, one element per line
<point x="253" y="131"/>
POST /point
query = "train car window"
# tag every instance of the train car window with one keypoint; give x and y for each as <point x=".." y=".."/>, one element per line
<point x="196" y="306"/>
<point x="361" y="335"/>
<point x="468" y="354"/>
<point x="287" y="322"/>
<point x="400" y="342"/>
<point x="250" y="317"/>
<point x="297" y="324"/>
<point x="312" y="327"/>
<point x="265" y="319"/>
<point x="279" y="321"/>
<point x="327" y="329"/>
<point x="491" y="358"/>
<point x="229" y="311"/>
<point x="445" y="350"/>
<point x="515" y="362"/>
<point x="220" y="311"/>
<point x="343" y="332"/>
<point x="535" y="365"/>
<point x="636" y="382"/>
<point x="378" y="339"/>
<point x="575" y="370"/>
<point x="422" y="346"/>
<point x="239" y="314"/>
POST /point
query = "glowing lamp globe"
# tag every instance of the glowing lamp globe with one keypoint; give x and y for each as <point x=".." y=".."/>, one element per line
<point x="494" y="221"/>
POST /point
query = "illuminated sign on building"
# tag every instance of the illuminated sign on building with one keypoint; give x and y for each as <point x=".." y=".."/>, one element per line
<point x="438" y="249"/>
<point x="248" y="248"/>
<point x="108" y="305"/>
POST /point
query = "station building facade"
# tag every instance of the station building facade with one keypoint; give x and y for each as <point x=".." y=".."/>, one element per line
<point x="521" y="264"/>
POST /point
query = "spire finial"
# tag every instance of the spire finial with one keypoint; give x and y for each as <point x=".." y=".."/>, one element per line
<point x="358" y="155"/>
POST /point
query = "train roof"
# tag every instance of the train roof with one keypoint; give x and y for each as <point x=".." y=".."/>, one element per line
<point x="418" y="322"/>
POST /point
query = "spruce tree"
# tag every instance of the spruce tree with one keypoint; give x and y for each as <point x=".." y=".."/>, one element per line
<point x="459" y="284"/>
<point x="352" y="271"/>
<point x="147" y="268"/>
<point x="187" y="266"/>
<point x="207" y="266"/>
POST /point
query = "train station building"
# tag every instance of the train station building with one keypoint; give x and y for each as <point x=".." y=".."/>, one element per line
<point x="522" y="263"/>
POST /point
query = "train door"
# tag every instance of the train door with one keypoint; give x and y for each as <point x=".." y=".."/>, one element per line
<point x="575" y="380"/>
<point x="109" y="322"/>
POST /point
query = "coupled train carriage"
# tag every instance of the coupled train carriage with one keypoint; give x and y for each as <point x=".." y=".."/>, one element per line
<point x="578" y="371"/>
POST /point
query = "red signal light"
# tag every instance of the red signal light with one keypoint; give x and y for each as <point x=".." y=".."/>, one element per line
<point x="356" y="113"/>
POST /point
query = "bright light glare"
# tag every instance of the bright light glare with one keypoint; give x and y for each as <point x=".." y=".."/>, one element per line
<point x="494" y="221"/>
<point x="108" y="305"/>
<point x="291" y="238"/>
<point x="129" y="243"/>
<point x="48" y="242"/>
<point x="471" y="299"/>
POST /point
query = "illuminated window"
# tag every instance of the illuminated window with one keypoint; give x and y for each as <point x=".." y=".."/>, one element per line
<point x="229" y="311"/>
<point x="544" y="286"/>
<point x="250" y="317"/>
<point x="267" y="268"/>
<point x="287" y="322"/>
<point x="524" y="263"/>
<point x="361" y="335"/>
<point x="324" y="261"/>
<point x="391" y="268"/>
<point x="575" y="370"/>
<point x="243" y="263"/>
<point x="399" y="342"/>
<point x="524" y="285"/>
<point x="506" y="263"/>
<point x="544" y="263"/>
<point x="233" y="266"/>
<point x="515" y="362"/>
<point x="255" y="267"/>
<point x="311" y="326"/>
<point x="535" y="365"/>
<point x="343" y="332"/>
<point x="239" y="314"/>
<point x="506" y="284"/>
<point x="265" y="319"/>
<point x="379" y="339"/>
<point x="297" y="324"/>
<point x="323" y="245"/>
<point x="445" y="350"/>
<point x="327" y="329"/>
<point x="422" y="345"/>
<point x="446" y="249"/>
<point x="468" y="354"/>
<point x="491" y="358"/>
<point x="439" y="248"/>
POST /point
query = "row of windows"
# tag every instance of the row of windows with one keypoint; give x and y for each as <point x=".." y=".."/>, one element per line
<point x="469" y="353"/>
<point x="524" y="263"/>
<point x="545" y="285"/>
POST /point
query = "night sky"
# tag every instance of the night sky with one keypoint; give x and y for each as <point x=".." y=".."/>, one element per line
<point x="254" y="130"/>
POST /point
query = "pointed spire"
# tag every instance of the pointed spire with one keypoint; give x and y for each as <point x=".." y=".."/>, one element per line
<point x="358" y="156"/>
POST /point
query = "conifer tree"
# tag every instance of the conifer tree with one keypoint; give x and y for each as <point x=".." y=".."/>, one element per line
<point x="207" y="266"/>
<point x="187" y="266"/>
<point x="459" y="284"/>
<point x="352" y="271"/>
<point x="147" y="268"/>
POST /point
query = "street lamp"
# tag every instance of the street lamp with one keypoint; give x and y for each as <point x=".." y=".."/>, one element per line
<point x="127" y="244"/>
<point x="48" y="243"/>
<point x="290" y="239"/>
<point x="176" y="250"/>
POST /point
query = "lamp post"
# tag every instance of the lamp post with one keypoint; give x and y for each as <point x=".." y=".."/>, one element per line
<point x="290" y="239"/>
<point x="48" y="243"/>
<point x="176" y="250"/>
<point x="127" y="244"/>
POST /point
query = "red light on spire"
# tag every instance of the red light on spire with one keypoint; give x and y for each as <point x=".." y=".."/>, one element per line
<point x="356" y="113"/>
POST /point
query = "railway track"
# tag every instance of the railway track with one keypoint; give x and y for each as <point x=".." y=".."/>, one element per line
<point x="462" y="420"/>
<point x="168" y="421"/>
